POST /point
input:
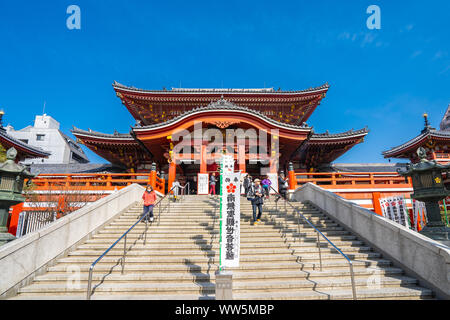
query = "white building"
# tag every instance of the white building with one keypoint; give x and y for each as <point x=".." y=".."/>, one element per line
<point x="46" y="135"/>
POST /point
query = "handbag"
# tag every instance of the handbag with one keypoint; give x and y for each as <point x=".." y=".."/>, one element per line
<point x="251" y="194"/>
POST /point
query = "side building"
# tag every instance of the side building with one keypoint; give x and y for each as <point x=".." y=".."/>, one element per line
<point x="46" y="135"/>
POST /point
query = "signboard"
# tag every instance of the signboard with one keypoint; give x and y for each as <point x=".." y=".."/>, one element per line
<point x="394" y="208"/>
<point x="230" y="215"/>
<point x="227" y="164"/>
<point x="202" y="183"/>
<point x="273" y="177"/>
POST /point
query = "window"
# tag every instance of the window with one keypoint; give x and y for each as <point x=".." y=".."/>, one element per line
<point x="24" y="140"/>
<point x="40" y="137"/>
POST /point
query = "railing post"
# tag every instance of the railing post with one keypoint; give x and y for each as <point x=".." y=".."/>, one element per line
<point x="159" y="212"/>
<point x="124" y="252"/>
<point x="320" y="250"/>
<point x="145" y="234"/>
<point x="352" y="276"/>
<point x="108" y="180"/>
<point x="333" y="179"/>
<point x="88" y="297"/>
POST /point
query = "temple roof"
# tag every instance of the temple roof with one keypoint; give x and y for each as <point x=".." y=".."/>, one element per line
<point x="412" y="145"/>
<point x="338" y="136"/>
<point x="24" y="149"/>
<point x="224" y="105"/>
<point x="322" y="148"/>
<point x="90" y="133"/>
<point x="156" y="106"/>
<point x="117" y="85"/>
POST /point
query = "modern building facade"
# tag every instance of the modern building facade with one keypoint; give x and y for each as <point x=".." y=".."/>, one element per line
<point x="46" y="135"/>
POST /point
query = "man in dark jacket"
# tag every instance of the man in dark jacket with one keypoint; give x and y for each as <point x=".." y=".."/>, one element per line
<point x="256" y="196"/>
<point x="282" y="187"/>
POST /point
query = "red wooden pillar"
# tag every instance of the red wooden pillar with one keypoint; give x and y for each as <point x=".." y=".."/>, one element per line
<point x="376" y="203"/>
<point x="153" y="176"/>
<point x="241" y="155"/>
<point x="292" y="178"/>
<point x="172" y="173"/>
<point x="16" y="210"/>
<point x="274" y="155"/>
<point x="203" y="159"/>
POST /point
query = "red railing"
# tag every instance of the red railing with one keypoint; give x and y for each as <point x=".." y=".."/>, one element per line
<point x="98" y="181"/>
<point x="364" y="188"/>
<point x="351" y="180"/>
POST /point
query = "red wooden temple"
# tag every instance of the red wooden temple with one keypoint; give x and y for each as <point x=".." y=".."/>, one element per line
<point x="160" y="114"/>
<point x="435" y="142"/>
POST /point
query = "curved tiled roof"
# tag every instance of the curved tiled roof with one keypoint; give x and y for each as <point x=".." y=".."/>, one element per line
<point x="429" y="132"/>
<point x="117" y="85"/>
<point x="347" y="134"/>
<point x="221" y="105"/>
<point x="115" y="135"/>
<point x="31" y="150"/>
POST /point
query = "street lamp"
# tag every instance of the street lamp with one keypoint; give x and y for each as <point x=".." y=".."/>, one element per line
<point x="12" y="176"/>
<point x="429" y="187"/>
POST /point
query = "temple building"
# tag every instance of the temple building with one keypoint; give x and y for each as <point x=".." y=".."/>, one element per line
<point x="160" y="114"/>
<point x="435" y="142"/>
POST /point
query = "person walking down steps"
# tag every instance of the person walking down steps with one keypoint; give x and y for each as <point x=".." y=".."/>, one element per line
<point x="149" y="198"/>
<point x="256" y="196"/>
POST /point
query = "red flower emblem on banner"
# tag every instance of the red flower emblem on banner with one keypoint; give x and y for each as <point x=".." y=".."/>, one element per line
<point x="231" y="188"/>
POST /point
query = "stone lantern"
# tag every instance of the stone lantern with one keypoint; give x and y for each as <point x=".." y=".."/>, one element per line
<point x="429" y="187"/>
<point x="12" y="176"/>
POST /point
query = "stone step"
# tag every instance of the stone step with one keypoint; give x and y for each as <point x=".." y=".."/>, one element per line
<point x="238" y="276"/>
<point x="245" y="238"/>
<point x="395" y="293"/>
<point x="316" y="284"/>
<point x="244" y="266"/>
<point x="198" y="259"/>
<point x="120" y="229"/>
<point x="117" y="287"/>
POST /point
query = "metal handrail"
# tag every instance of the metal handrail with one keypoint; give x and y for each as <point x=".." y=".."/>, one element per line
<point x="181" y="192"/>
<point x="352" y="276"/>
<point x="184" y="188"/>
<point x="123" y="236"/>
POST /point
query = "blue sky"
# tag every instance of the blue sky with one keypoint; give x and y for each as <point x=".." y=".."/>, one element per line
<point x="384" y="79"/>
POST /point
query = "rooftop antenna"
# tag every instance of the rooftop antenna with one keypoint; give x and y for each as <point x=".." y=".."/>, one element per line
<point x="43" y="109"/>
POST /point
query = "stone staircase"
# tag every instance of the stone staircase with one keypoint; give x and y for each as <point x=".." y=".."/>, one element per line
<point x="182" y="254"/>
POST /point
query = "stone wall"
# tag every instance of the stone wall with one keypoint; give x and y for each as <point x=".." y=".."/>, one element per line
<point x="22" y="259"/>
<point x="419" y="256"/>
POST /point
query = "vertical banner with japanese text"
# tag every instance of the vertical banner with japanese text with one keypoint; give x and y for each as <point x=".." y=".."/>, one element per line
<point x="230" y="220"/>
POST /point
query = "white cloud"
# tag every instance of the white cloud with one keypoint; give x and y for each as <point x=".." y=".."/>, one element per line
<point x="416" y="54"/>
